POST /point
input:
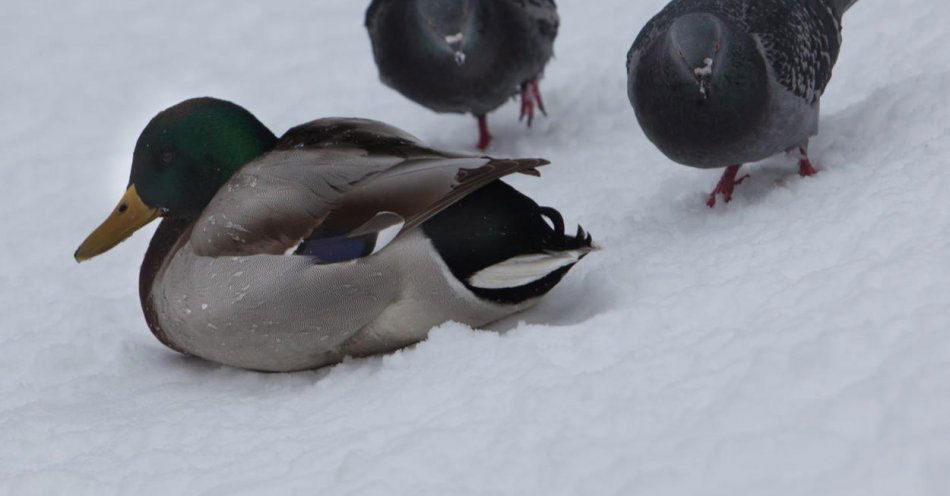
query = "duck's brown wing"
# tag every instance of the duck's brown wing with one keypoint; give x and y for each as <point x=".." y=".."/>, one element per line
<point x="339" y="177"/>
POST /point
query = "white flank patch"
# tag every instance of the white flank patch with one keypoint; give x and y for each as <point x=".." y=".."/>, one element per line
<point x="293" y="248"/>
<point x="524" y="269"/>
<point x="455" y="38"/>
<point x="387" y="225"/>
<point x="386" y="236"/>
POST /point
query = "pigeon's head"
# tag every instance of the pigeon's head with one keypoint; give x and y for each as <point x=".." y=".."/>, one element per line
<point x="700" y="89"/>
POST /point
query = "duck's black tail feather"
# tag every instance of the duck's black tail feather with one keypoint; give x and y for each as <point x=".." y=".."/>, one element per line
<point x="582" y="239"/>
<point x="496" y="241"/>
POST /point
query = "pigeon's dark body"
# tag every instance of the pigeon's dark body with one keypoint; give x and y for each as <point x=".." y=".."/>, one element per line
<point x="718" y="83"/>
<point x="463" y="56"/>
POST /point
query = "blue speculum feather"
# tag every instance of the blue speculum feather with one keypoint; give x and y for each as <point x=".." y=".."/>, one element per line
<point x="337" y="248"/>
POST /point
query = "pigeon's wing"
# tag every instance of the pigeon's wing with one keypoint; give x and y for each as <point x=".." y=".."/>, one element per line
<point x="336" y="178"/>
<point x="801" y="41"/>
<point x="842" y="6"/>
<point x="373" y="9"/>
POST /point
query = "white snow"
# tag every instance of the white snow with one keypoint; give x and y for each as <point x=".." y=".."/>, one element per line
<point x="795" y="341"/>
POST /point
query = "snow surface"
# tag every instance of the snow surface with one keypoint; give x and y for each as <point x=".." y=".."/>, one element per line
<point x="792" y="342"/>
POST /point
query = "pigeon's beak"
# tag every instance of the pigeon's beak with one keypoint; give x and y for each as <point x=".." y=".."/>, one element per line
<point x="703" y="77"/>
<point x="450" y="23"/>
<point x="695" y="40"/>
<point x="455" y="42"/>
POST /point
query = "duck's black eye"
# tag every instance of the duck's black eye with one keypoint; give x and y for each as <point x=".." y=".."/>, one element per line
<point x="167" y="157"/>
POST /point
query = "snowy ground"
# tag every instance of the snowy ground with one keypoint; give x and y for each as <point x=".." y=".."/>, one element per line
<point x="794" y="342"/>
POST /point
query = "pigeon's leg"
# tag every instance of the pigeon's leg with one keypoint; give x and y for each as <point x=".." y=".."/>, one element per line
<point x="727" y="184"/>
<point x="536" y="91"/>
<point x="484" y="137"/>
<point x="805" y="169"/>
<point x="531" y="98"/>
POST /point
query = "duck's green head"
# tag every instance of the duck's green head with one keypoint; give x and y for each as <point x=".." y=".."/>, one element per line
<point x="183" y="156"/>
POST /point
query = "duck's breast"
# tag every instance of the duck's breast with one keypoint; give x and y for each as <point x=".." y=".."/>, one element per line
<point x="267" y="312"/>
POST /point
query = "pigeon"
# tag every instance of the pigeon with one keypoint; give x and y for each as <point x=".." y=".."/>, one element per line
<point x="719" y="83"/>
<point x="464" y="56"/>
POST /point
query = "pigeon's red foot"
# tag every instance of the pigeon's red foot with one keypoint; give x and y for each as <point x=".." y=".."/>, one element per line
<point x="531" y="98"/>
<point x="727" y="184"/>
<point x="805" y="169"/>
<point x="484" y="136"/>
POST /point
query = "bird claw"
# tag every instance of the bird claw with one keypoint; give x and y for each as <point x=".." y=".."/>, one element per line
<point x="527" y="110"/>
<point x="531" y="99"/>
<point x="806" y="169"/>
<point x="727" y="184"/>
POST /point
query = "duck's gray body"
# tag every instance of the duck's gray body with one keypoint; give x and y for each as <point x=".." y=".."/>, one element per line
<point x="463" y="56"/>
<point x="239" y="287"/>
<point x="786" y="51"/>
<point x="272" y="312"/>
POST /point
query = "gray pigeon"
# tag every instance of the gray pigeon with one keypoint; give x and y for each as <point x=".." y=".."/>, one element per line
<point x="719" y="83"/>
<point x="464" y="56"/>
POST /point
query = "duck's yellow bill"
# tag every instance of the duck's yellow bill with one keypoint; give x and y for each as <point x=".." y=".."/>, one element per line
<point x="129" y="216"/>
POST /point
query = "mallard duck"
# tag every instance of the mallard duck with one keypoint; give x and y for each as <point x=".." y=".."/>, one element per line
<point x="464" y="56"/>
<point x="343" y="237"/>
